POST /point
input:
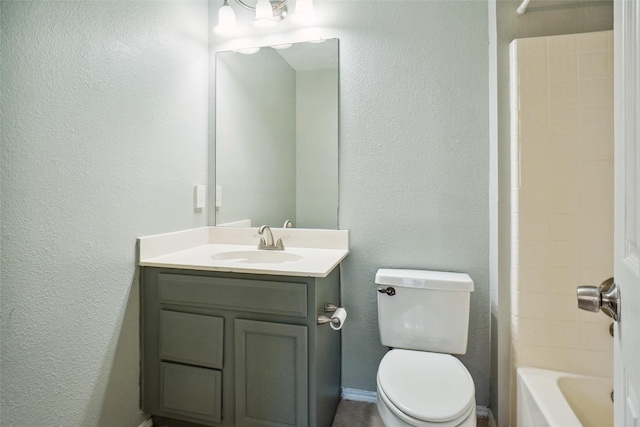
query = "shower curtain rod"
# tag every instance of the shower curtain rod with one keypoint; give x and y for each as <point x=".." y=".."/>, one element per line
<point x="523" y="7"/>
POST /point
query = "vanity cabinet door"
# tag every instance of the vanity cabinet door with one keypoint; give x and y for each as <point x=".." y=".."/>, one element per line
<point x="271" y="374"/>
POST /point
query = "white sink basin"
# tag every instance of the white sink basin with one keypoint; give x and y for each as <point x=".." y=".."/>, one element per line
<point x="257" y="256"/>
<point x="308" y="253"/>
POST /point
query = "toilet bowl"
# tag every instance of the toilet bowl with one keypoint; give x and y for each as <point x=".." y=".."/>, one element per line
<point x="421" y="389"/>
<point x="423" y="316"/>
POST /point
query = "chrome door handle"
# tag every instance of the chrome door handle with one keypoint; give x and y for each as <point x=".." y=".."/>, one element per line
<point x="605" y="297"/>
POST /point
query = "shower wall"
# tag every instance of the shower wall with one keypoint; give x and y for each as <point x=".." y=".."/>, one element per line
<point x="562" y="199"/>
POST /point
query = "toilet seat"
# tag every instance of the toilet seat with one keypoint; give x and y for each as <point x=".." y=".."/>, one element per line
<point x="424" y="389"/>
<point x="394" y="417"/>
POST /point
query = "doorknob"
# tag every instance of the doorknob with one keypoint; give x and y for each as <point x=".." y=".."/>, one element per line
<point x="605" y="297"/>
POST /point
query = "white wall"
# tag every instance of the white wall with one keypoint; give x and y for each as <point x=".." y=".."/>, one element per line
<point x="562" y="192"/>
<point x="414" y="156"/>
<point x="104" y="134"/>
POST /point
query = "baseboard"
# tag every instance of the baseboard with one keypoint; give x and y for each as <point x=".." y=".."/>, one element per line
<point x="372" y="397"/>
<point x="359" y="395"/>
<point x="146" y="423"/>
<point x="482" y="411"/>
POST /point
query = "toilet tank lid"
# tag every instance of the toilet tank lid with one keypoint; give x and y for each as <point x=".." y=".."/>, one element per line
<point x="438" y="280"/>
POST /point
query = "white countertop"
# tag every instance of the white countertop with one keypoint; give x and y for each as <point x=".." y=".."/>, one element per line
<point x="317" y="252"/>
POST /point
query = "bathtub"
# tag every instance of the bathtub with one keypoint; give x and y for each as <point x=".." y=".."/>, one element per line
<point x="558" y="399"/>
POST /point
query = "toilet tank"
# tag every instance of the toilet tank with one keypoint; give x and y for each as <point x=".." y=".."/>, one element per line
<point x="428" y="311"/>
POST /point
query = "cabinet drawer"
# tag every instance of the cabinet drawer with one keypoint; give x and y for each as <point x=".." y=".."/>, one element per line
<point x="259" y="296"/>
<point x="191" y="338"/>
<point x="192" y="392"/>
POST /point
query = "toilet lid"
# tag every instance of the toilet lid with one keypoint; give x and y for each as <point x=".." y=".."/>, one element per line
<point x="428" y="386"/>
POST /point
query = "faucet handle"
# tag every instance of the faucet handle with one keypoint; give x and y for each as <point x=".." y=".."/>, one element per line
<point x="262" y="244"/>
<point x="287" y="224"/>
<point x="269" y="244"/>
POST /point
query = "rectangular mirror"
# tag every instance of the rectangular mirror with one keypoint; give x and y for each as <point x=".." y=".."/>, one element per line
<point x="276" y="148"/>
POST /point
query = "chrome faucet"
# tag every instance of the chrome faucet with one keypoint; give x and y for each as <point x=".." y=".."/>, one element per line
<point x="269" y="245"/>
<point x="287" y="224"/>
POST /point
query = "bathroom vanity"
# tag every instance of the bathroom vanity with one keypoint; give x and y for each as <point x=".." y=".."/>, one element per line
<point x="226" y="348"/>
<point x="229" y="332"/>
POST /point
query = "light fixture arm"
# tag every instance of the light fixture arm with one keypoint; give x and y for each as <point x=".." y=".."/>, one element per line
<point x="267" y="14"/>
<point x="276" y="7"/>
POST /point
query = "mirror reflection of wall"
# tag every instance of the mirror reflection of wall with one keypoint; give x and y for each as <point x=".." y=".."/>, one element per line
<point x="277" y="136"/>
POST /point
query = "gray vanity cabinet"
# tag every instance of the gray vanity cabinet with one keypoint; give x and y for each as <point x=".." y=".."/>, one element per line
<point x="226" y="349"/>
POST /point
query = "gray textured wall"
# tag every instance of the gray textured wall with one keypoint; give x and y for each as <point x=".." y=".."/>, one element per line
<point x="543" y="18"/>
<point x="104" y="134"/>
<point x="414" y="157"/>
<point x="100" y="100"/>
<point x="414" y="162"/>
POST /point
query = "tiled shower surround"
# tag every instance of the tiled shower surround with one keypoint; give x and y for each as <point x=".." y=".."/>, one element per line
<point x="562" y="199"/>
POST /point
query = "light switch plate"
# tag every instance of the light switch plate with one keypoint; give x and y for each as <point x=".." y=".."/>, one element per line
<point x="200" y="197"/>
<point x="218" y="196"/>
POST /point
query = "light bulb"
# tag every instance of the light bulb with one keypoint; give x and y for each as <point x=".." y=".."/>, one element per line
<point x="226" y="21"/>
<point x="282" y="46"/>
<point x="264" y="15"/>
<point x="304" y="12"/>
<point x="248" y="51"/>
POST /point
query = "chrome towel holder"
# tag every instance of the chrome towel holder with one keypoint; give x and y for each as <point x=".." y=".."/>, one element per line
<point x="328" y="308"/>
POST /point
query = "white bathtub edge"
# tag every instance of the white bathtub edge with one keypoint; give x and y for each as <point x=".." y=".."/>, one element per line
<point x="541" y="399"/>
<point x="542" y="386"/>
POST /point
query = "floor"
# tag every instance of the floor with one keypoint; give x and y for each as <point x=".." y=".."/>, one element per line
<point x="356" y="414"/>
<point x="361" y="414"/>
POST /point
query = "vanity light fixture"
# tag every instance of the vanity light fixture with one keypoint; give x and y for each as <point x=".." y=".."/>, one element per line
<point x="248" y="51"/>
<point x="264" y="15"/>
<point x="267" y="14"/>
<point x="304" y="12"/>
<point x="282" y="46"/>
<point x="227" y="25"/>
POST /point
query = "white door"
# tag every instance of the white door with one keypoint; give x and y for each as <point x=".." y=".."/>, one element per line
<point x="627" y="211"/>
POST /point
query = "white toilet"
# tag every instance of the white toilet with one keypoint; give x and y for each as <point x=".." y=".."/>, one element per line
<point x="424" y="317"/>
